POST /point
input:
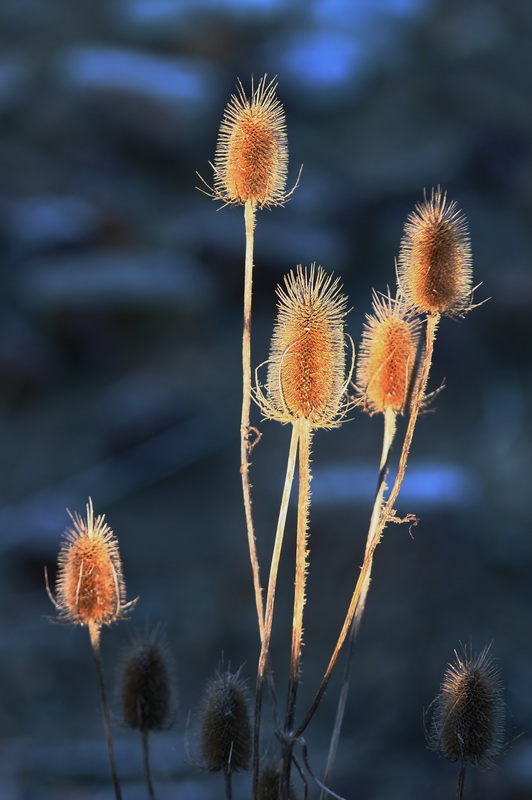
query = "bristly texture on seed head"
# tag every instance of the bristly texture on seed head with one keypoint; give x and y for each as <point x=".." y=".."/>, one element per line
<point x="269" y="782"/>
<point x="90" y="587"/>
<point x="146" y="682"/>
<point x="225" y="724"/>
<point x="251" y="160"/>
<point x="387" y="356"/>
<point x="468" y="716"/>
<point x="307" y="365"/>
<point x="434" y="266"/>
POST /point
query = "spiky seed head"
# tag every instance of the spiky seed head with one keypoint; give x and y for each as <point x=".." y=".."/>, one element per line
<point x="434" y="265"/>
<point x="90" y="588"/>
<point x="269" y="781"/>
<point x="306" y="369"/>
<point x="251" y="159"/>
<point x="225" y="724"/>
<point x="468" y="714"/>
<point x="387" y="356"/>
<point x="146" y="682"/>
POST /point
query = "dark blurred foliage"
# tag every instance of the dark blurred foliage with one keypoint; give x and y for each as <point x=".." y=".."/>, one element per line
<point x="120" y="316"/>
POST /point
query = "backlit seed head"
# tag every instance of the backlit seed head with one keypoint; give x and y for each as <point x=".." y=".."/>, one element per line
<point x="434" y="265"/>
<point x="307" y="365"/>
<point x="468" y="714"/>
<point x="251" y="159"/>
<point x="146" y="694"/>
<point x="90" y="588"/>
<point x="387" y="356"/>
<point x="225" y="724"/>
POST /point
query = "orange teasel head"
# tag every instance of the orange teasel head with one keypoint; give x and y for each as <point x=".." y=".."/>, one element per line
<point x="387" y="356"/>
<point x="434" y="266"/>
<point x="251" y="160"/>
<point x="90" y="588"/>
<point x="307" y="366"/>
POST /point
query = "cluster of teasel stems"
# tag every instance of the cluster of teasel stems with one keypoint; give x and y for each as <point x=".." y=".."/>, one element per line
<point x="307" y="378"/>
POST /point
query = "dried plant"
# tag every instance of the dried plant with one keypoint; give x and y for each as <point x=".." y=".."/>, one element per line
<point x="90" y="591"/>
<point x="468" y="716"/>
<point x="250" y="169"/>
<point x="225" y="726"/>
<point x="146" y="689"/>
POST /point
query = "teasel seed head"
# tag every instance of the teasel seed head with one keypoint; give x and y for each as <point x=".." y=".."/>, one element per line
<point x="387" y="356"/>
<point x="251" y="160"/>
<point x="146" y="682"/>
<point x="434" y="266"/>
<point x="468" y="716"/>
<point x="269" y="781"/>
<point x="225" y="724"/>
<point x="90" y="588"/>
<point x="306" y="376"/>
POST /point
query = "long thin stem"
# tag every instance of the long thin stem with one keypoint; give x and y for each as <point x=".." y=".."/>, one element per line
<point x="245" y="446"/>
<point x="461" y="780"/>
<point x="94" y="633"/>
<point x="388" y="514"/>
<point x="270" y="598"/>
<point x="388" y="437"/>
<point x="303" y="504"/>
<point x="146" y="762"/>
<point x="228" y="784"/>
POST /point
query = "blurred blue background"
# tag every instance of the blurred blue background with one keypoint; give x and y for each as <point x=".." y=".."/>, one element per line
<point x="120" y="329"/>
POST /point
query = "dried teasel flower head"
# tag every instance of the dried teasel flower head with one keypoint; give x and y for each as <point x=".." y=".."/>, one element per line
<point x="90" y="587"/>
<point x="146" y="682"/>
<point x="387" y="356"/>
<point x="434" y="266"/>
<point x="225" y="724"/>
<point x="468" y="716"/>
<point x="306" y="377"/>
<point x="269" y="782"/>
<point x="251" y="160"/>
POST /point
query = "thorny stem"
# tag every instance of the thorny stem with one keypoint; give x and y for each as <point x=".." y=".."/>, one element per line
<point x="146" y="762"/>
<point x="387" y="514"/>
<point x="94" y="633"/>
<point x="461" y="780"/>
<point x="388" y="437"/>
<point x="303" y="503"/>
<point x="245" y="447"/>
<point x="270" y="598"/>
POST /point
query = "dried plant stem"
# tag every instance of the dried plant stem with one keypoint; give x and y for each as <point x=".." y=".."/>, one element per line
<point x="461" y="781"/>
<point x="303" y="503"/>
<point x="270" y="599"/>
<point x="228" y="783"/>
<point x="146" y="762"/>
<point x="249" y="217"/>
<point x="94" y="633"/>
<point x="389" y="433"/>
<point x="387" y="514"/>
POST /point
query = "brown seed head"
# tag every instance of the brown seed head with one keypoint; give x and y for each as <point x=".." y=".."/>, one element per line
<point x="251" y="159"/>
<point x="225" y="725"/>
<point x="146" y="682"/>
<point x="90" y="588"/>
<point x="468" y="716"/>
<point x="268" y="783"/>
<point x="434" y="266"/>
<point x="306" y="368"/>
<point x="387" y="356"/>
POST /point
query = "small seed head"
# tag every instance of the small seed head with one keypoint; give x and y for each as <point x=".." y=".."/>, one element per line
<point x="251" y="160"/>
<point x="268" y="783"/>
<point x="225" y="726"/>
<point x="387" y="356"/>
<point x="146" y="682"/>
<point x="468" y="714"/>
<point x="90" y="587"/>
<point x="306" y="368"/>
<point x="434" y="266"/>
